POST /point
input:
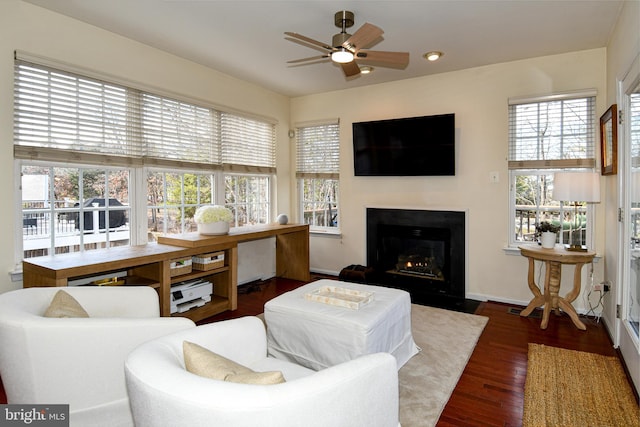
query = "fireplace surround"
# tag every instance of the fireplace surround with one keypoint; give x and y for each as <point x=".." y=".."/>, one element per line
<point x="420" y="251"/>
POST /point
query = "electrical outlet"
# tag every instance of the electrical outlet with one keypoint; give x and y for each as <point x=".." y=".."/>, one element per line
<point x="607" y="286"/>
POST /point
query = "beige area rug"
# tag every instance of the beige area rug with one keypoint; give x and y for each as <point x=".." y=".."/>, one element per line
<point x="447" y="339"/>
<point x="575" y="388"/>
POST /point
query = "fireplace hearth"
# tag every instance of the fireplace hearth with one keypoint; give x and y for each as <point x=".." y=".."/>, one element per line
<point x="420" y="251"/>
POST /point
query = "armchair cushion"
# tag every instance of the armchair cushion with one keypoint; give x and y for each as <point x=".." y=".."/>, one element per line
<point x="64" y="305"/>
<point x="200" y="361"/>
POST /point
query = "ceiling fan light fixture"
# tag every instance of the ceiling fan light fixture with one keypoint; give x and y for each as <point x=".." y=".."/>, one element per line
<point x="433" y="55"/>
<point x="365" y="69"/>
<point x="342" y="56"/>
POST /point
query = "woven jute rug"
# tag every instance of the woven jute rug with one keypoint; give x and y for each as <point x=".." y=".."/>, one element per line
<point x="566" y="388"/>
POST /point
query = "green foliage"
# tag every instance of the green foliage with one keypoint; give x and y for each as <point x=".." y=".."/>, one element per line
<point x="546" y="226"/>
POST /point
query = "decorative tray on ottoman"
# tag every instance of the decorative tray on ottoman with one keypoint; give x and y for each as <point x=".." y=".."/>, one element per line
<point x="342" y="297"/>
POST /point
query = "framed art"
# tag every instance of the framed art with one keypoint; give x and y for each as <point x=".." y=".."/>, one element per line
<point x="609" y="141"/>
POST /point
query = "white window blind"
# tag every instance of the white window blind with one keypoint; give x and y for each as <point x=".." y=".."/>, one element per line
<point x="62" y="116"/>
<point x="247" y="143"/>
<point x="558" y="133"/>
<point x="318" y="151"/>
<point x="180" y="131"/>
<point x="63" y="111"/>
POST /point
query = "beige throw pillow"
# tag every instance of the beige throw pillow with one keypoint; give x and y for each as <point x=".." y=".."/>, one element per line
<point x="64" y="305"/>
<point x="205" y="363"/>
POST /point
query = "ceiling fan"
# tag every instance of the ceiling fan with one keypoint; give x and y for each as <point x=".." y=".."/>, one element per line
<point x="347" y="50"/>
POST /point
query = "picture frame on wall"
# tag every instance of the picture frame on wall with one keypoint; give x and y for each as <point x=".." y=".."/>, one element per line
<point x="609" y="141"/>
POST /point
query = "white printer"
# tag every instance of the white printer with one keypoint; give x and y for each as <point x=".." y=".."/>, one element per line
<point x="188" y="294"/>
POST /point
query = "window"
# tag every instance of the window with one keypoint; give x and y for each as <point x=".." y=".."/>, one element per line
<point x="317" y="171"/>
<point x="172" y="200"/>
<point x="54" y="220"/>
<point x="248" y="197"/>
<point x="548" y="135"/>
<point x="248" y="157"/>
<point x="82" y="143"/>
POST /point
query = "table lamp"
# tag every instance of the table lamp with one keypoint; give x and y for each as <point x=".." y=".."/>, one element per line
<point x="576" y="187"/>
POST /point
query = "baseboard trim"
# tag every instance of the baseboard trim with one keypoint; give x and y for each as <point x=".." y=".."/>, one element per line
<point x="327" y="272"/>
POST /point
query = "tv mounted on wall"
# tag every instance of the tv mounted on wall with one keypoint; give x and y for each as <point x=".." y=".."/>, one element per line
<point x="414" y="146"/>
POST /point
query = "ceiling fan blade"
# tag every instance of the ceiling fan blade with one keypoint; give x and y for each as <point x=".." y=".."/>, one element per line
<point x="309" y="40"/>
<point x="363" y="37"/>
<point x="350" y="69"/>
<point x="311" y="58"/>
<point x="394" y="59"/>
<point x="305" y="44"/>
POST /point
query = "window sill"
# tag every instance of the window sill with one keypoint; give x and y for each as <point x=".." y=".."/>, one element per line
<point x="325" y="232"/>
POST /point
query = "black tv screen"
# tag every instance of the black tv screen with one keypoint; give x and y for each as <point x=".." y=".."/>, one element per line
<point x="414" y="146"/>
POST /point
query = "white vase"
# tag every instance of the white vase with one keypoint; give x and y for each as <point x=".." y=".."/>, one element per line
<point x="548" y="239"/>
<point x="213" y="228"/>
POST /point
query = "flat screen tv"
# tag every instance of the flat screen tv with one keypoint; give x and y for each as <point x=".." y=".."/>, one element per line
<point x="414" y="146"/>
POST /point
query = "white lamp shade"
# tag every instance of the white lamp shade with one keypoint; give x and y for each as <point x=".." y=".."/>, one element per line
<point x="577" y="187"/>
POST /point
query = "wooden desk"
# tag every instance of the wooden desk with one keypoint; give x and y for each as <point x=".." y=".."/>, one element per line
<point x="149" y="265"/>
<point x="553" y="259"/>
<point x="292" y="245"/>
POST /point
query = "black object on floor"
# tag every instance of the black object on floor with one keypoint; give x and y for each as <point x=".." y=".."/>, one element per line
<point x="250" y="287"/>
<point x="356" y="274"/>
<point x="462" y="305"/>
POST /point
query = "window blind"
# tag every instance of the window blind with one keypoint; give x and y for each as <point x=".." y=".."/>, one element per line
<point x="63" y="111"/>
<point x="318" y="151"/>
<point x="62" y="115"/>
<point x="559" y="133"/>
<point x="180" y="131"/>
<point x="248" y="145"/>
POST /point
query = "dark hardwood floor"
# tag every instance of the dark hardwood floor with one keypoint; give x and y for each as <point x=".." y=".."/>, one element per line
<point x="491" y="389"/>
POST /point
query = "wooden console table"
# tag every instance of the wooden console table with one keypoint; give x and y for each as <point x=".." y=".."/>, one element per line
<point x="553" y="259"/>
<point x="292" y="245"/>
<point x="150" y="265"/>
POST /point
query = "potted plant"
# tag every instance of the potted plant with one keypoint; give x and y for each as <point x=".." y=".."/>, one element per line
<point x="547" y="232"/>
<point x="213" y="219"/>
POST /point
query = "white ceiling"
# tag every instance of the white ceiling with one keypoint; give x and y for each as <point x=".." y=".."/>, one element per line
<point x="246" y="38"/>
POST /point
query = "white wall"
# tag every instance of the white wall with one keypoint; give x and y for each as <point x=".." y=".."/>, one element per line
<point x="40" y="32"/>
<point x="478" y="97"/>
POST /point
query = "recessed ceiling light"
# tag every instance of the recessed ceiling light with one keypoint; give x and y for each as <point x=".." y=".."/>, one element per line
<point x="433" y="55"/>
<point x="366" y="69"/>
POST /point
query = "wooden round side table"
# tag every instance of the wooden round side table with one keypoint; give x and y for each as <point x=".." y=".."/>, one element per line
<point x="553" y="259"/>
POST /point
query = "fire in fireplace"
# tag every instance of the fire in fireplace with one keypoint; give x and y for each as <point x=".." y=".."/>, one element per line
<point x="420" y="251"/>
<point x="415" y="263"/>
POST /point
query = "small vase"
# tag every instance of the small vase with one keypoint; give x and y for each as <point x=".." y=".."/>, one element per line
<point x="548" y="240"/>
<point x="213" y="228"/>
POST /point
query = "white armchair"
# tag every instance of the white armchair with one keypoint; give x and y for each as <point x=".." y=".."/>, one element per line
<point x="78" y="361"/>
<point x="361" y="392"/>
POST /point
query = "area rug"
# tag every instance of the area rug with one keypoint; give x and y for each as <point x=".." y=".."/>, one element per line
<point x="447" y="339"/>
<point x="575" y="388"/>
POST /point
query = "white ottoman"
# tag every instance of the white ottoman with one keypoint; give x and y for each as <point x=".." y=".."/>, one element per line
<point x="319" y="335"/>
